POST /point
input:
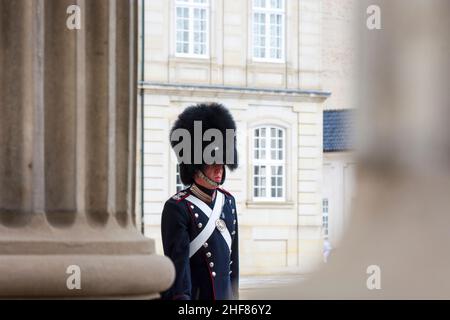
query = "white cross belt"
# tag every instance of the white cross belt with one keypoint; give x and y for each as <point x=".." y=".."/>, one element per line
<point x="213" y="216"/>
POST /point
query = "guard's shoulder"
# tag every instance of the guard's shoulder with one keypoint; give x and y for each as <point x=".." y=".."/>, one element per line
<point x="179" y="196"/>
<point x="227" y="194"/>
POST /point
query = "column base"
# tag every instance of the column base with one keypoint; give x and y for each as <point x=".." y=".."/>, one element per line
<point x="101" y="276"/>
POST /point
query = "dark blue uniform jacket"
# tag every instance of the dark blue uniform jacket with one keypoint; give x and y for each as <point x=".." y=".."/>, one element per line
<point x="212" y="273"/>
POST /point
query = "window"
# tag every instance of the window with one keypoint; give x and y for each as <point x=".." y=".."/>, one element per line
<point x="179" y="185"/>
<point x="268" y="30"/>
<point x="269" y="163"/>
<point x="325" y="218"/>
<point x="192" y="20"/>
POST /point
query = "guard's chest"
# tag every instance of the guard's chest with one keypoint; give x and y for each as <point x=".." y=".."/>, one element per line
<point x="200" y="218"/>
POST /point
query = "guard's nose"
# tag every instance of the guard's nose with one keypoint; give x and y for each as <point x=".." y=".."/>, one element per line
<point x="218" y="169"/>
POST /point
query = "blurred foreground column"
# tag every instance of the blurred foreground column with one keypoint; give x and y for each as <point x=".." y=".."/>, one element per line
<point x="67" y="158"/>
<point x="398" y="243"/>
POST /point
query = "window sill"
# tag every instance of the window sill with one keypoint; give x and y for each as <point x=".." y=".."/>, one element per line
<point x="270" y="204"/>
<point x="275" y="62"/>
<point x="181" y="57"/>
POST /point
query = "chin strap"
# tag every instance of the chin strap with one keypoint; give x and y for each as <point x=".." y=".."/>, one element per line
<point x="202" y="176"/>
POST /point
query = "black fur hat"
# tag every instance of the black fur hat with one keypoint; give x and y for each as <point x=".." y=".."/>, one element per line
<point x="212" y="116"/>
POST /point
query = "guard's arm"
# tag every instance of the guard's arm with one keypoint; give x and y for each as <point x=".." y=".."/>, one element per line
<point x="235" y="258"/>
<point x="175" y="238"/>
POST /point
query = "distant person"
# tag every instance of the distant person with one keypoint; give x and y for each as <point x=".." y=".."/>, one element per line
<point x="327" y="248"/>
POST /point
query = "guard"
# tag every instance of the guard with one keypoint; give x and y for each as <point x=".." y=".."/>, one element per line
<point x="199" y="224"/>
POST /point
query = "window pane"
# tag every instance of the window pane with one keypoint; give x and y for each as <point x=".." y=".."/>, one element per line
<point x="273" y="143"/>
<point x="273" y="155"/>
<point x="276" y="4"/>
<point x="259" y="3"/>
<point x="259" y="35"/>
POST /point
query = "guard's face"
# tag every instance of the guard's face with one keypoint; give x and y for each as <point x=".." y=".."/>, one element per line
<point x="214" y="172"/>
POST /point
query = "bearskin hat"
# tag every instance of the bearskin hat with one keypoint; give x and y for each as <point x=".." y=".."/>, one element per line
<point x="212" y="116"/>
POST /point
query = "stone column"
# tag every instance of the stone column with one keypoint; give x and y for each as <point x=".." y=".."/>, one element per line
<point x="67" y="159"/>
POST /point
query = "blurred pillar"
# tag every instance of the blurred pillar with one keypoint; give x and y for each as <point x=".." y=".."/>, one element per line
<point x="67" y="159"/>
<point x="400" y="223"/>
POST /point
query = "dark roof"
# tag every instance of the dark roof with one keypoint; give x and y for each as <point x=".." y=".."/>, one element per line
<point x="338" y="128"/>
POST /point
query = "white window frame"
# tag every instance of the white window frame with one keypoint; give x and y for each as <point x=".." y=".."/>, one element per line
<point x="268" y="162"/>
<point x="268" y="11"/>
<point x="191" y="6"/>
<point x="177" y="175"/>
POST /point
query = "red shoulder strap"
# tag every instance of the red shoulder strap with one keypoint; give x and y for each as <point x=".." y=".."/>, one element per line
<point x="183" y="197"/>
<point x="224" y="191"/>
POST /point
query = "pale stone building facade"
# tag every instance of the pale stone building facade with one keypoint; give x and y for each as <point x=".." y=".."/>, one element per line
<point x="263" y="60"/>
<point x="339" y="52"/>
